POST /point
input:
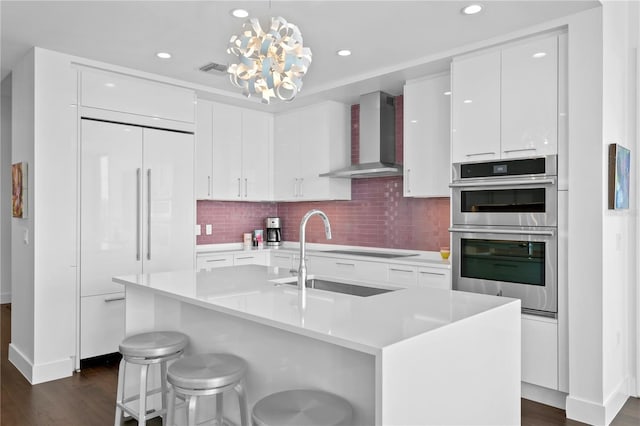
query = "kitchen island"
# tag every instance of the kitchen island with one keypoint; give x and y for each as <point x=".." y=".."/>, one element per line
<point x="411" y="356"/>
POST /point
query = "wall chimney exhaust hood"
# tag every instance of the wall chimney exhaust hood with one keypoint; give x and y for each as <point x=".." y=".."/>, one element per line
<point x="377" y="140"/>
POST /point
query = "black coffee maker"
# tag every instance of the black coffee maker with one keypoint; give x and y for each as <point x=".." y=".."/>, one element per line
<point x="274" y="233"/>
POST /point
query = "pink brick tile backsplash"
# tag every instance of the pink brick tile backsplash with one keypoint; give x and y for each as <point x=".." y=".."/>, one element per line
<point x="377" y="215"/>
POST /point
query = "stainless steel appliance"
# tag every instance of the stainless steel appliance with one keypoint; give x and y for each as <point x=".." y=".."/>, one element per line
<point x="274" y="231"/>
<point x="504" y="232"/>
<point x="519" y="192"/>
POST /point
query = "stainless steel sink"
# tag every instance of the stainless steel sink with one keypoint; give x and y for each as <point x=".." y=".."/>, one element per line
<point x="339" y="287"/>
<point x="386" y="255"/>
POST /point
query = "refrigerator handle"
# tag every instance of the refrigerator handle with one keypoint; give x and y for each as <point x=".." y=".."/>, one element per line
<point x="138" y="214"/>
<point x="148" y="214"/>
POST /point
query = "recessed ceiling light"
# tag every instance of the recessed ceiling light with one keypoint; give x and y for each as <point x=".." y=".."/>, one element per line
<point x="467" y="101"/>
<point x="110" y="85"/>
<point x="163" y="55"/>
<point x="343" y="52"/>
<point x="239" y="13"/>
<point x="539" y="55"/>
<point x="472" y="9"/>
<point x="447" y="93"/>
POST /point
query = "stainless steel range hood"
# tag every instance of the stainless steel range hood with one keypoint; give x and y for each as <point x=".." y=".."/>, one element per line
<point x="377" y="140"/>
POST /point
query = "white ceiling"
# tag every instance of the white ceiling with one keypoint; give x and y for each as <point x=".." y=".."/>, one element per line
<point x="391" y="40"/>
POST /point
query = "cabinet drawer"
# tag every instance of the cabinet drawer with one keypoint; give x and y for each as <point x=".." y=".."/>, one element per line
<point x="101" y="324"/>
<point x="209" y="261"/>
<point x="540" y="351"/>
<point x="250" y="259"/>
<point x="434" y="277"/>
<point x="281" y="260"/>
<point x="348" y="268"/>
<point x="132" y="95"/>
<point x="403" y="275"/>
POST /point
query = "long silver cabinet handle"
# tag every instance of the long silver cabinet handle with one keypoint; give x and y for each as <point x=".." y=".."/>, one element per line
<point x="239" y="194"/>
<point x="113" y="299"/>
<point x="138" y="213"/>
<point x="504" y="182"/>
<point x="216" y="260"/>
<point x="400" y="270"/>
<point x="245" y="257"/>
<point x="345" y="264"/>
<point x="519" y="150"/>
<point x="148" y="214"/>
<point x="432" y="273"/>
<point x="245" y="187"/>
<point x="408" y="180"/>
<point x="549" y="232"/>
<point x="479" y="153"/>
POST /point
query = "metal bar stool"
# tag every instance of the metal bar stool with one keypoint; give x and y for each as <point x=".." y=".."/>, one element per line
<point x="302" y="407"/>
<point x="207" y="374"/>
<point x="145" y="349"/>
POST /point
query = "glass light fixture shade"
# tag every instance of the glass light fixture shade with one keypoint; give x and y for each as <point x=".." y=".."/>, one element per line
<point x="271" y="64"/>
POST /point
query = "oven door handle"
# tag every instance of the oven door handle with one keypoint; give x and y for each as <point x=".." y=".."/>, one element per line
<point x="547" y="232"/>
<point x="510" y="182"/>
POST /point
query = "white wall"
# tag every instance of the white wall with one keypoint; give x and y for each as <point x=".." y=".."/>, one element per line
<point x="5" y="193"/>
<point x="602" y="256"/>
<point x="44" y="271"/>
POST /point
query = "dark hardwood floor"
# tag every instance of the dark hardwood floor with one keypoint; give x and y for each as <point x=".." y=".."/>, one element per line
<point x="87" y="398"/>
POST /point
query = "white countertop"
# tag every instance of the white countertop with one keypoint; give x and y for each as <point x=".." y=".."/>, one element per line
<point x="417" y="258"/>
<point x="367" y="324"/>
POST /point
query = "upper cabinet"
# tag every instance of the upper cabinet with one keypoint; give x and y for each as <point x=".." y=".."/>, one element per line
<point x="233" y="153"/>
<point x="117" y="93"/>
<point x="309" y="141"/>
<point x="427" y="137"/>
<point x="505" y="102"/>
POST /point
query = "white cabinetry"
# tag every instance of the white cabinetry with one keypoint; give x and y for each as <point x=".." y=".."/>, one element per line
<point x="505" y="102"/>
<point x="402" y="275"/>
<point x="540" y="351"/>
<point x="359" y="270"/>
<point x="137" y="215"/>
<point x="116" y="92"/>
<point x="234" y="149"/>
<point x="434" y="277"/>
<point x="207" y="261"/>
<point x="309" y="141"/>
<point x="282" y="259"/>
<point x="427" y="137"/>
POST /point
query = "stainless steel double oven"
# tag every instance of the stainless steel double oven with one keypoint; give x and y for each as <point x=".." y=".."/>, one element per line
<point x="505" y="230"/>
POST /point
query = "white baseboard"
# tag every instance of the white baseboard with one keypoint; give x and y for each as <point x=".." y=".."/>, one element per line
<point x="5" y="297"/>
<point x="542" y="395"/>
<point x="40" y="373"/>
<point x="598" y="414"/>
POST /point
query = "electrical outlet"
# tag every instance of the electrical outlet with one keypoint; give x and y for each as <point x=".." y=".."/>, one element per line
<point x="209" y="229"/>
<point x="198" y="229"/>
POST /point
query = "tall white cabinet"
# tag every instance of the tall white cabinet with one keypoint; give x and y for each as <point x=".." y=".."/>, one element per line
<point x="427" y="140"/>
<point x="137" y="214"/>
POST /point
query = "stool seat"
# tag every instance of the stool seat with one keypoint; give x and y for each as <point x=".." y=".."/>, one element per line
<point x="206" y="371"/>
<point x="153" y="344"/>
<point x="302" y="407"/>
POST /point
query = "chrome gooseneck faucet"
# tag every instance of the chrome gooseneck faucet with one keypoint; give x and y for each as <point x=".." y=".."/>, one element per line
<point x="302" y="269"/>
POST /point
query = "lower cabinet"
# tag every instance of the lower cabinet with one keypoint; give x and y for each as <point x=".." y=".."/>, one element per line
<point x="98" y="336"/>
<point x="434" y="277"/>
<point x="360" y="270"/>
<point x="207" y="261"/>
<point x="403" y="275"/>
<point x="540" y="351"/>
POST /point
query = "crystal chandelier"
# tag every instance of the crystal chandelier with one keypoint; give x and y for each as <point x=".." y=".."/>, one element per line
<point x="270" y="64"/>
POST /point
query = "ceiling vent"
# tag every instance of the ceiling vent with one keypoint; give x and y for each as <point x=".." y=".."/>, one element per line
<point x="214" y="68"/>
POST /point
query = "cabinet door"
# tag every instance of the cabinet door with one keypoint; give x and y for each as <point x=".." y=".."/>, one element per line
<point x="169" y="204"/>
<point x="110" y="199"/>
<point x="205" y="262"/>
<point x="434" y="278"/>
<point x="530" y="98"/>
<point x="101" y="324"/>
<point x="281" y="260"/>
<point x="227" y="152"/>
<point x="117" y="92"/>
<point x="403" y="275"/>
<point x="427" y="138"/>
<point x="204" y="150"/>
<point x="476" y="108"/>
<point x="287" y="142"/>
<point x="540" y="351"/>
<point x="256" y="155"/>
